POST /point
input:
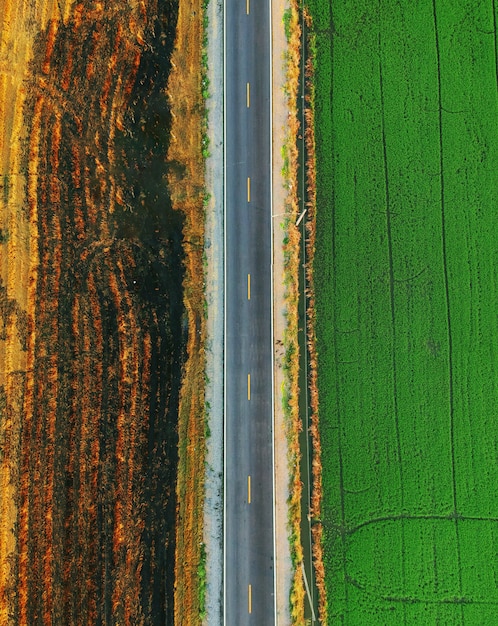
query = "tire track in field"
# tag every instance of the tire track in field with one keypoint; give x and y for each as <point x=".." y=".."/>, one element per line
<point x="495" y="26"/>
<point x="448" y="307"/>
<point x="393" y="313"/>
<point x="336" y="361"/>
<point x="407" y="516"/>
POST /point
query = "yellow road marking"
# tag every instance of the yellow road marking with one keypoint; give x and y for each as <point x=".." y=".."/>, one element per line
<point x="248" y="189"/>
<point x="249" y="598"/>
<point x="248" y="386"/>
<point x="248" y="490"/>
<point x="248" y="286"/>
<point x="248" y="94"/>
<point x="247" y="7"/>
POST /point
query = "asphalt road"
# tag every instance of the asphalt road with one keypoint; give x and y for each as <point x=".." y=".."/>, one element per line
<point x="249" y="517"/>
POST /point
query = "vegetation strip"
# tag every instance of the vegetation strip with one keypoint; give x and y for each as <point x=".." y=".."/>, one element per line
<point x="291" y="281"/>
<point x="316" y="492"/>
<point x="188" y="89"/>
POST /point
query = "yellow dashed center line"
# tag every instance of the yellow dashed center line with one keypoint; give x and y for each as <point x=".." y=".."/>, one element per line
<point x="248" y="490"/>
<point x="248" y="189"/>
<point x="248" y="286"/>
<point x="247" y="7"/>
<point x="248" y="386"/>
<point x="249" y="598"/>
<point x="248" y="95"/>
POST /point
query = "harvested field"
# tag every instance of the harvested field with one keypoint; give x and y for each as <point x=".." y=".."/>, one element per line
<point x="95" y="334"/>
<point x="405" y="299"/>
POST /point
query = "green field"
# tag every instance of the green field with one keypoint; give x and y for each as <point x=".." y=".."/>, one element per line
<point x="406" y="273"/>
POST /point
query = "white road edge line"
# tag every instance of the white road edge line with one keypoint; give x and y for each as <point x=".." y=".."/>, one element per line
<point x="224" y="317"/>
<point x="272" y="322"/>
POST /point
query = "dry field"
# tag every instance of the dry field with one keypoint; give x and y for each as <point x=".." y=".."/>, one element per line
<point x="96" y="335"/>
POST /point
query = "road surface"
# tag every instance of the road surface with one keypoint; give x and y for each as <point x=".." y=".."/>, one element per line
<point x="249" y="576"/>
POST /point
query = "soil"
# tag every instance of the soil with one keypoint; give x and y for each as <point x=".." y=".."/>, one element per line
<point x="284" y="569"/>
<point x="19" y="24"/>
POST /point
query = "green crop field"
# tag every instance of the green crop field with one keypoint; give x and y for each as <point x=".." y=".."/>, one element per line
<point x="406" y="273"/>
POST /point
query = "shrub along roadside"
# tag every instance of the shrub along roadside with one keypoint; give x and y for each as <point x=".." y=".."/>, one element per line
<point x="316" y="492"/>
<point x="290" y="391"/>
<point x="291" y="365"/>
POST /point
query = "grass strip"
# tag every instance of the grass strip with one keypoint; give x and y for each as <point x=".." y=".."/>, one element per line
<point x="188" y="89"/>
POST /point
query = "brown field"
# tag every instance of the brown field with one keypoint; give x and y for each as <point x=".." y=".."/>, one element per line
<point x="19" y="24"/>
<point x="98" y="270"/>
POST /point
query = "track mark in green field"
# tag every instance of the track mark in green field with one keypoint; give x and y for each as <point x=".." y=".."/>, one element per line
<point x="428" y="517"/>
<point x="448" y="306"/>
<point x="495" y="26"/>
<point x="336" y="361"/>
<point x="393" y="313"/>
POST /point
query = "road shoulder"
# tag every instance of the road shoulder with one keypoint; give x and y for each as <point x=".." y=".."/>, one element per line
<point x="214" y="293"/>
<point x="283" y="565"/>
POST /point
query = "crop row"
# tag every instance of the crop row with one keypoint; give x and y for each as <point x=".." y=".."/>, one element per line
<point x="405" y="308"/>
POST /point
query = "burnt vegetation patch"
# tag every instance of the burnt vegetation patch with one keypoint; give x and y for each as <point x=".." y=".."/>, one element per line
<point x="105" y="342"/>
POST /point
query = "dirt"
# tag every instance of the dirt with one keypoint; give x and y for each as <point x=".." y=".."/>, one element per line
<point x="284" y="569"/>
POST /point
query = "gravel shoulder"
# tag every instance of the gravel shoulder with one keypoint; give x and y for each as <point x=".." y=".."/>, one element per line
<point x="214" y="291"/>
<point x="284" y="570"/>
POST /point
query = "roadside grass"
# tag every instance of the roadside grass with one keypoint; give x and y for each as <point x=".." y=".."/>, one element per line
<point x="201" y="575"/>
<point x="405" y="309"/>
<point x="188" y="90"/>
